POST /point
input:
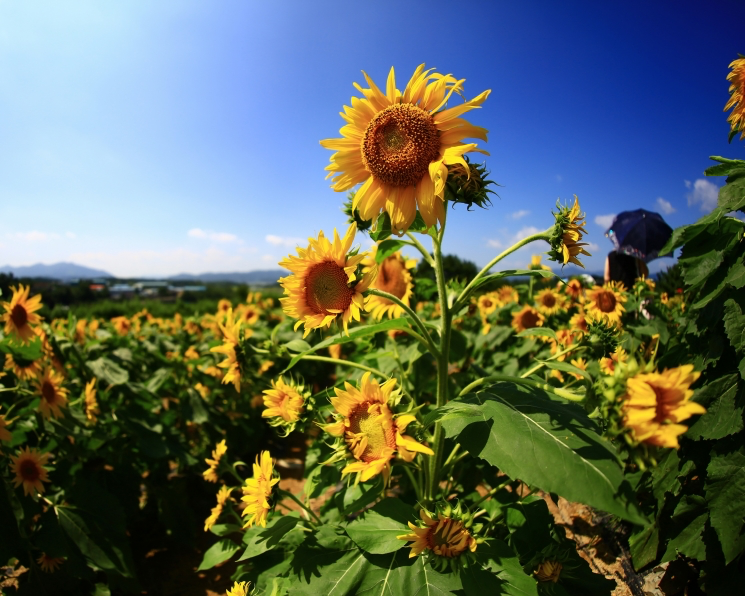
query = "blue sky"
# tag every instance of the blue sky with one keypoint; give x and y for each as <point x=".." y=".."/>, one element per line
<point x="153" y="138"/>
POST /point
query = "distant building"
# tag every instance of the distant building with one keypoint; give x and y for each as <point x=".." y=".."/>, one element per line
<point x="118" y="291"/>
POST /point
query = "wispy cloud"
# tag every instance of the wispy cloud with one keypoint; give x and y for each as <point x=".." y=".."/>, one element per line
<point x="520" y="214"/>
<point x="665" y="206"/>
<point x="37" y="236"/>
<point x="605" y="221"/>
<point x="703" y="193"/>
<point x="494" y="243"/>
<point x="220" y="237"/>
<point x="283" y="240"/>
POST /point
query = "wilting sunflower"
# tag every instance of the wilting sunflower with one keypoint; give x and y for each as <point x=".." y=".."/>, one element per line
<point x="737" y="97"/>
<point x="24" y="370"/>
<point x="91" y="404"/>
<point x="210" y="474"/>
<point x="443" y="536"/>
<point x="393" y="277"/>
<point x="655" y="403"/>
<point x="239" y="589"/>
<point x="323" y="284"/>
<point x="606" y="303"/>
<point x="549" y="302"/>
<point x="20" y="314"/>
<point x="284" y="404"/>
<point x="527" y="318"/>
<point x="28" y="466"/>
<point x="49" y="564"/>
<point x="258" y="491"/>
<point x="368" y="430"/>
<point x="53" y="394"/>
<point x="400" y="144"/>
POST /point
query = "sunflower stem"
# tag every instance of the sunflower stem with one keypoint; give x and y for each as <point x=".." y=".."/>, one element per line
<point x="568" y="395"/>
<point x="339" y="362"/>
<point x="420" y="247"/>
<point x="464" y="295"/>
<point x="540" y="365"/>
<point x="409" y="311"/>
<point x="287" y="494"/>
<point x="414" y="483"/>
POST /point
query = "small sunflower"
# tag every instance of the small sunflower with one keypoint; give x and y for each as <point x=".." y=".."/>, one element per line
<point x="736" y="97"/>
<point x="53" y="394"/>
<point x="549" y="302"/>
<point x="507" y="295"/>
<point x="578" y="324"/>
<point x="368" y="431"/>
<point x="581" y="364"/>
<point x="122" y="325"/>
<point x="566" y="241"/>
<point x="210" y="474"/>
<point x="606" y="303"/>
<point x="49" y="564"/>
<point x="20" y="314"/>
<point x="28" y="466"/>
<point x="527" y="318"/>
<point x="608" y="365"/>
<point x="400" y="146"/>
<point x="239" y="589"/>
<point x="655" y="403"/>
<point x="323" y="285"/>
<point x="24" y="370"/>
<point x="91" y="404"/>
<point x="5" y="434"/>
<point x="258" y="491"/>
<point x="284" y="404"/>
<point x="487" y="303"/>
<point x="575" y="290"/>
<point x="393" y="277"/>
<point x="535" y="264"/>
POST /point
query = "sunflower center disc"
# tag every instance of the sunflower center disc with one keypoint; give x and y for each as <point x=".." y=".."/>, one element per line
<point x="549" y="300"/>
<point x="399" y="144"/>
<point x="326" y="289"/>
<point x="606" y="302"/>
<point x="370" y="423"/>
<point x="529" y="320"/>
<point x="19" y="316"/>
<point x="391" y="277"/>
<point x="29" y="470"/>
<point x="48" y="392"/>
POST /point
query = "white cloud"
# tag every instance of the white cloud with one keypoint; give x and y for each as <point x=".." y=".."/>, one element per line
<point x="269" y="259"/>
<point x="34" y="236"/>
<point x="520" y="214"/>
<point x="283" y="240"/>
<point x="704" y="194"/>
<point x="665" y="206"/>
<point x="494" y="243"/>
<point x="221" y="237"/>
<point x="593" y="247"/>
<point x="525" y="232"/>
<point x="687" y="183"/>
<point x="605" y="221"/>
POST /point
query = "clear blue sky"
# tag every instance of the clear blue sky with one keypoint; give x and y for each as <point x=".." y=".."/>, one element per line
<point x="153" y="138"/>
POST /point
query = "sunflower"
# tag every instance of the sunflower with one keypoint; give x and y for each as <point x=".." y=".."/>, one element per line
<point x="564" y="339"/>
<point x="239" y="589"/>
<point x="28" y="466"/>
<point x="49" y="564"/>
<point x="535" y="264"/>
<point x="400" y="144"/>
<point x="581" y="364"/>
<point x="488" y="303"/>
<point x="284" y="403"/>
<point x="654" y="404"/>
<point x="393" y="277"/>
<point x="507" y="295"/>
<point x="566" y="241"/>
<point x="5" y="434"/>
<point x="53" y="394"/>
<point x="24" y="370"/>
<point x="323" y="284"/>
<point x="248" y="313"/>
<point x="231" y="332"/>
<point x="574" y="289"/>
<point x="548" y="571"/>
<point x="527" y="318"/>
<point x="578" y="324"/>
<point x="370" y="433"/>
<point x="737" y="97"/>
<point x="222" y="497"/>
<point x="549" y="302"/>
<point x="19" y="316"/>
<point x="443" y="536"/>
<point x="606" y="303"/>
<point x="608" y="365"/>
<point x="91" y="405"/>
<point x="258" y="490"/>
<point x="122" y="325"/>
<point x="210" y="474"/>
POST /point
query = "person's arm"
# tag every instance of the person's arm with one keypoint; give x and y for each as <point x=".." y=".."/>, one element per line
<point x="606" y="274"/>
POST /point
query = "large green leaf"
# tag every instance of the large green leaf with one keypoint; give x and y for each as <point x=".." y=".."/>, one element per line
<point x="644" y="546"/>
<point x="688" y="522"/>
<point x="498" y="572"/>
<point x="544" y="442"/>
<point x="109" y="371"/>
<point x="259" y="540"/>
<point x="377" y="530"/>
<point x="725" y="495"/>
<point x="724" y="400"/>
<point x="218" y="553"/>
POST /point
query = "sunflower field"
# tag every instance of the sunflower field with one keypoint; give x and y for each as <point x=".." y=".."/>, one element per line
<point x="374" y="431"/>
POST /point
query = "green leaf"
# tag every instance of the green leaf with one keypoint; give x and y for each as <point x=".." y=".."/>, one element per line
<point x="382" y="228"/>
<point x="538" y="332"/>
<point x="545" y="443"/>
<point x="512" y="273"/>
<point x="358" y="496"/>
<point x="259" y="540"/>
<point x="298" y="345"/>
<point x="726" y="167"/>
<point x="218" y="553"/>
<point x="31" y="351"/>
<point x="732" y="195"/>
<point x="376" y="531"/>
<point x="566" y="367"/>
<point x="355" y="334"/>
<point x="734" y="323"/>
<point x="387" y="248"/>
<point x="159" y="377"/>
<point x="725" y="495"/>
<point x="688" y="522"/>
<point x="225" y="529"/>
<point x="500" y="572"/>
<point x="108" y="371"/>
<point x="644" y="545"/>
<point x="724" y="400"/>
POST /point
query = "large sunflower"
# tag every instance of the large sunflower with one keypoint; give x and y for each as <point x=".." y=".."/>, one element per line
<point x="28" y="466"/>
<point x="393" y="277"/>
<point x="19" y="316"/>
<point x="606" y="303"/>
<point x="737" y="97"/>
<point x="371" y="435"/>
<point x="53" y="394"/>
<point x="24" y="370"/>
<point x="400" y="144"/>
<point x="323" y="284"/>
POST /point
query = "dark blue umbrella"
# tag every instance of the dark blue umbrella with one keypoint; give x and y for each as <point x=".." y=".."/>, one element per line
<point x="639" y="233"/>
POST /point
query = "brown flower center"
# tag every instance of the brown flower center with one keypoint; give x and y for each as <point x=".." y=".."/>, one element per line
<point x="548" y="300"/>
<point x="399" y="144"/>
<point x="529" y="319"/>
<point x="370" y="421"/>
<point x="49" y="392"/>
<point x="391" y="277"/>
<point x="326" y="289"/>
<point x="19" y="316"/>
<point x="29" y="471"/>
<point x="606" y="301"/>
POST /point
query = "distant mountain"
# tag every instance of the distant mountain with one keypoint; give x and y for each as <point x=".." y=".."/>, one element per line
<point x="56" y="271"/>
<point x="267" y="277"/>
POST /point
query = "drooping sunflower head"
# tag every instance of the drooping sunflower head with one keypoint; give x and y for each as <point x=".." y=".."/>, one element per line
<point x="655" y="403"/>
<point x="91" y="404"/>
<point x="394" y="277"/>
<point x="324" y="284"/>
<point x="257" y="491"/>
<point x="566" y="240"/>
<point x="399" y="145"/>
<point x="549" y="302"/>
<point x="367" y="430"/>
<point x="210" y="474"/>
<point x="28" y="467"/>
<point x="53" y="394"/>
<point x="20" y="314"/>
<point x="49" y="564"/>
<point x="24" y="370"/>
<point x="606" y="303"/>
<point x="285" y="404"/>
<point x="736" y="98"/>
<point x="527" y="318"/>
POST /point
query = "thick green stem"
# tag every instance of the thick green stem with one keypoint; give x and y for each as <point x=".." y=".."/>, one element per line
<point x="414" y="317"/>
<point x="339" y="362"/>
<point x="568" y="395"/>
<point x="287" y="494"/>
<point x="540" y="365"/>
<point x="418" y="245"/>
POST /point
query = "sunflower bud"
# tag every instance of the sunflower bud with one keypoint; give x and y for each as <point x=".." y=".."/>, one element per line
<point x="469" y="186"/>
